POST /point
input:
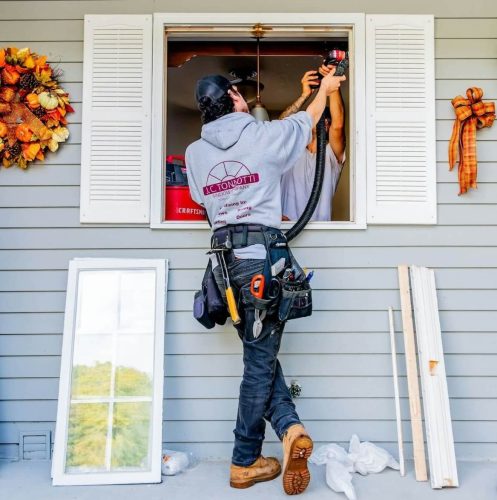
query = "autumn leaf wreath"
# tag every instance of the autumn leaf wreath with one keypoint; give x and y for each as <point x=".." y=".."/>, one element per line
<point x="33" y="107"/>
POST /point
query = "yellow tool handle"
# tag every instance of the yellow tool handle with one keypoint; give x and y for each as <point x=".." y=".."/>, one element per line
<point x="230" y="297"/>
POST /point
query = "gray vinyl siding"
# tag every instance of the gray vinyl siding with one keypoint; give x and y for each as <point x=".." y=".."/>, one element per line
<point x="341" y="354"/>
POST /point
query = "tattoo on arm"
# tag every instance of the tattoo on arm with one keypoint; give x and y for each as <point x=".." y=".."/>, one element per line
<point x="294" y="107"/>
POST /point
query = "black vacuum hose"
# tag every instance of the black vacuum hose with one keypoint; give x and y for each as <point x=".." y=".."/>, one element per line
<point x="317" y="184"/>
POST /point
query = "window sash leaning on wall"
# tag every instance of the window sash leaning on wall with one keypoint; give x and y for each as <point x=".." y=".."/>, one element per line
<point x="155" y="326"/>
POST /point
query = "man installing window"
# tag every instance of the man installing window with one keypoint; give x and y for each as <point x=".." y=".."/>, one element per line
<point x="296" y="183"/>
<point x="234" y="171"/>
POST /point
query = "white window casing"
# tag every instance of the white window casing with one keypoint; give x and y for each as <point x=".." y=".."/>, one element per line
<point x="298" y="25"/>
<point x="400" y="116"/>
<point x="116" y="122"/>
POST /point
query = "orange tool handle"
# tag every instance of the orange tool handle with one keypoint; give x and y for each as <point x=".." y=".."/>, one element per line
<point x="257" y="286"/>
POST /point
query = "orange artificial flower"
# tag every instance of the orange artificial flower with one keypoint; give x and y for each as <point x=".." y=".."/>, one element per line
<point x="44" y="133"/>
<point x="10" y="76"/>
<point x="7" y="94"/>
<point x="2" y="58"/>
<point x="23" y="132"/>
<point x="40" y="62"/>
<point x="40" y="156"/>
<point x="29" y="62"/>
<point x="29" y="151"/>
<point x="21" y="70"/>
<point x="5" y="108"/>
<point x="3" y="129"/>
<point x="33" y="101"/>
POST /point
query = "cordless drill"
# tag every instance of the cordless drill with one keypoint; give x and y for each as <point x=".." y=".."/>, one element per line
<point x="339" y="59"/>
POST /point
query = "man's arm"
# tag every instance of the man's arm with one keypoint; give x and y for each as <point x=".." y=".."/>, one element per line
<point x="329" y="85"/>
<point x="337" y="128"/>
<point x="309" y="80"/>
<point x="294" y="107"/>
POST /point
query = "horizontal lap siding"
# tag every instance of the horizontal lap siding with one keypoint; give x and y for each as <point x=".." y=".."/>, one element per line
<point x="341" y="354"/>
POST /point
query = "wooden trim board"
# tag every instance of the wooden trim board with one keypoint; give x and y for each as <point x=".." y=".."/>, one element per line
<point x="439" y="436"/>
<point x="412" y="376"/>
<point x="396" y="392"/>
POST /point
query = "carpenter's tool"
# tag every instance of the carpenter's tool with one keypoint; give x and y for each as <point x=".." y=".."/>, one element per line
<point x="258" y="319"/>
<point x="309" y="276"/>
<point x="257" y="286"/>
<point x="278" y="267"/>
<point x="257" y="290"/>
<point x="273" y="289"/>
<point x="230" y="296"/>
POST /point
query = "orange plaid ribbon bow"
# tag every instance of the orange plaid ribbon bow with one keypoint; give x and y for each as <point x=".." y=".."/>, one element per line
<point x="471" y="114"/>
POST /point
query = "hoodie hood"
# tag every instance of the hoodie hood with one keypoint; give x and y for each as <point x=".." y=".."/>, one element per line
<point x="226" y="131"/>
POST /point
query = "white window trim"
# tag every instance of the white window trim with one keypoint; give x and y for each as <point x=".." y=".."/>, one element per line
<point x="60" y="477"/>
<point x="358" y="92"/>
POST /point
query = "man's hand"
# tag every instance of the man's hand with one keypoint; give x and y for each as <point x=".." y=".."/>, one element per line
<point x="329" y="85"/>
<point x="330" y="82"/>
<point x="309" y="82"/>
<point x="324" y="70"/>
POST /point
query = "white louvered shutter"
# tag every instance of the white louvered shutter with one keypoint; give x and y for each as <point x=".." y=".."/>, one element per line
<point x="400" y="106"/>
<point x="115" y="144"/>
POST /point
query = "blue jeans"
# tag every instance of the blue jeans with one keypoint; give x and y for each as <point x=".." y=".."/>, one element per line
<point x="264" y="394"/>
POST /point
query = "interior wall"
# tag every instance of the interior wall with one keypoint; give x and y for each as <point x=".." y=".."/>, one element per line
<point x="282" y="87"/>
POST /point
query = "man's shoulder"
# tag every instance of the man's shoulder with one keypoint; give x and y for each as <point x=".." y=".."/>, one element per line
<point x="192" y="149"/>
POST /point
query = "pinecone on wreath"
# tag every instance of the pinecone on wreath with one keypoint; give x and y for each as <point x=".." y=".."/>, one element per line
<point x="39" y="112"/>
<point x="28" y="81"/>
<point x="14" y="150"/>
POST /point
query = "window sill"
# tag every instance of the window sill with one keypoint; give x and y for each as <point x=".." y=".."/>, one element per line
<point x="203" y="225"/>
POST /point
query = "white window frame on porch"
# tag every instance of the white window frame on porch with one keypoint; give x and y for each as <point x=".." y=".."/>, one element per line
<point x="153" y="475"/>
<point x="356" y="118"/>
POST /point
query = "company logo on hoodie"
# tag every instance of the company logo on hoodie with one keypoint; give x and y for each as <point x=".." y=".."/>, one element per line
<point x="228" y="175"/>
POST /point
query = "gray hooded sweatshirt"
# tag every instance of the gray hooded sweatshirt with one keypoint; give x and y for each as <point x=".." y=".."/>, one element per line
<point x="235" y="169"/>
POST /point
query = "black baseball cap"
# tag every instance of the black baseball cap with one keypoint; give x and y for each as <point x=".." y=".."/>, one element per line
<point x="214" y="86"/>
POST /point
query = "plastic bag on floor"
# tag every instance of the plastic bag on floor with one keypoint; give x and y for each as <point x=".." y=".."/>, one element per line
<point x="325" y="453"/>
<point x="364" y="458"/>
<point x="369" y="458"/>
<point x="338" y="468"/>
<point x="174" y="462"/>
<point x="339" y="478"/>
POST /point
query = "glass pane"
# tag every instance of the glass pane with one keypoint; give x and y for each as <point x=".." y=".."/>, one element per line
<point x="131" y="436"/>
<point x="134" y="365"/>
<point x="98" y="295"/>
<point x="92" y="366"/>
<point x="109" y="423"/>
<point x="137" y="301"/>
<point x="87" y="437"/>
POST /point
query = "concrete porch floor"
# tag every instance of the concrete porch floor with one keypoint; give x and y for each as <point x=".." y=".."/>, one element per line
<point x="208" y="481"/>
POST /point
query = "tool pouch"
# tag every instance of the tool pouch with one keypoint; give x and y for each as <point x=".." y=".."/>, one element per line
<point x="246" y="297"/>
<point x="296" y="295"/>
<point x="200" y="312"/>
<point x="295" y="300"/>
<point x="209" y="308"/>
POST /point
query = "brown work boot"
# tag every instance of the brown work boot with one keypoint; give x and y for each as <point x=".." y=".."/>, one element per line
<point x="297" y="448"/>
<point x="263" y="469"/>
